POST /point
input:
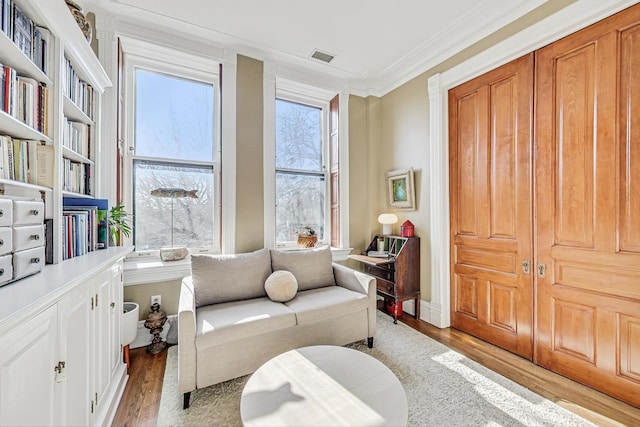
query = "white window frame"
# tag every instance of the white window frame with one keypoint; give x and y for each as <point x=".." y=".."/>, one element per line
<point x="141" y="55"/>
<point x="288" y="95"/>
<point x="277" y="82"/>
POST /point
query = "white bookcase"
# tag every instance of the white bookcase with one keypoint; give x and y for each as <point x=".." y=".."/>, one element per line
<point x="61" y="361"/>
<point x="67" y="43"/>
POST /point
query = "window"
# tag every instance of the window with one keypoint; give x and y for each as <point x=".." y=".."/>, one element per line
<point x="173" y="173"/>
<point x="301" y="182"/>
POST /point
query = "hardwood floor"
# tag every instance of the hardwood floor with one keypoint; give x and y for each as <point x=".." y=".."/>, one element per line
<point x="141" y="400"/>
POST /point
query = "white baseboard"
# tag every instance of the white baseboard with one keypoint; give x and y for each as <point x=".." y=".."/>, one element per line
<point x="429" y="312"/>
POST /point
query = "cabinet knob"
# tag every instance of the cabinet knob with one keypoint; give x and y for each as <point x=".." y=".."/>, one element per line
<point x="1" y="271"/>
<point x="1" y="213"/>
<point x="1" y="242"/>
<point x="35" y="237"/>
<point x="35" y="260"/>
<point x="35" y="212"/>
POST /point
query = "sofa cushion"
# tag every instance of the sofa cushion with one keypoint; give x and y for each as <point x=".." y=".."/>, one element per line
<point x="224" y="278"/>
<point x="324" y="303"/>
<point x="221" y="323"/>
<point x="313" y="268"/>
<point x="281" y="286"/>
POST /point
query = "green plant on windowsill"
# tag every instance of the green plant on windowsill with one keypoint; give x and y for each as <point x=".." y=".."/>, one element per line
<point x="118" y="223"/>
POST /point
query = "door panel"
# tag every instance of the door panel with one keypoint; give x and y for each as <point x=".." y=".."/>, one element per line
<point x="629" y="188"/>
<point x="491" y="202"/>
<point x="587" y="206"/>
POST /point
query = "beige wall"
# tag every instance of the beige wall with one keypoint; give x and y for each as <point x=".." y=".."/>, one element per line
<point x="387" y="133"/>
<point x="363" y="149"/>
<point x="141" y="294"/>
<point x="404" y="144"/>
<point x="249" y="157"/>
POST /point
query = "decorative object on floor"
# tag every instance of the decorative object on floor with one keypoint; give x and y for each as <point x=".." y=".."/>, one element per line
<point x="174" y="253"/>
<point x="155" y="321"/>
<point x="407" y="229"/>
<point x="401" y="189"/>
<point x="81" y="20"/>
<point x="387" y="220"/>
<point x="442" y="387"/>
<point x="118" y="224"/>
<point x="307" y="237"/>
<point x="128" y="326"/>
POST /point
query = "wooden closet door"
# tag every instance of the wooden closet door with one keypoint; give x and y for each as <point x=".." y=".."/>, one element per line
<point x="587" y="158"/>
<point x="491" y="226"/>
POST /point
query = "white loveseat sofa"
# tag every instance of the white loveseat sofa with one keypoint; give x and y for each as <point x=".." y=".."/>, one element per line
<point x="228" y="326"/>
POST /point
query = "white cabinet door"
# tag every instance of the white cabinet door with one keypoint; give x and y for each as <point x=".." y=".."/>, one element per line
<point x="101" y="333"/>
<point x="27" y="376"/>
<point x="75" y="401"/>
<point x="116" y="311"/>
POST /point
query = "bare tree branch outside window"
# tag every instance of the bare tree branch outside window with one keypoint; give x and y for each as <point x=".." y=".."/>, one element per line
<point x="300" y="186"/>
<point x="174" y="149"/>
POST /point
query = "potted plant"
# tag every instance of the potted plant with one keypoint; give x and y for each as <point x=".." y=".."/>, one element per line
<point x="118" y="223"/>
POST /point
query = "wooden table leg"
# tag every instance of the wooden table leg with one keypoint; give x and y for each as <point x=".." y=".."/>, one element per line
<point x="125" y="351"/>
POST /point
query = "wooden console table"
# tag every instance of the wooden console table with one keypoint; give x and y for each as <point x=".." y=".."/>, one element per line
<point x="398" y="273"/>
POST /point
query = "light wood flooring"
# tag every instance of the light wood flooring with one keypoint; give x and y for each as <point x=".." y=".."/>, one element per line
<point x="141" y="400"/>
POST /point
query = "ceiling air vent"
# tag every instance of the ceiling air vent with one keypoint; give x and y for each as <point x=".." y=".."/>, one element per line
<point x="322" y="56"/>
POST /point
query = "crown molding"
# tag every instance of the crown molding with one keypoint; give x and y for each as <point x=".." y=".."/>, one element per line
<point x="468" y="29"/>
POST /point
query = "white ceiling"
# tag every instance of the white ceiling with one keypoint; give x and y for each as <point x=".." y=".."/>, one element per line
<point x="378" y="44"/>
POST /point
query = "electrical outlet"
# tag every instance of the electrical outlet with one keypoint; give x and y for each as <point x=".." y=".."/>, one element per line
<point x="156" y="299"/>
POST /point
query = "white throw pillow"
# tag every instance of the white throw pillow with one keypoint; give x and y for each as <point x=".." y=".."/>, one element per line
<point x="281" y="286"/>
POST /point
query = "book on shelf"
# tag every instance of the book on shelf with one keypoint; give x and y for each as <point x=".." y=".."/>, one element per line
<point x="48" y="240"/>
<point x="33" y="40"/>
<point x="23" y="31"/>
<point x="4" y="19"/>
<point x="42" y="55"/>
<point x="25" y="99"/>
<point x="45" y="175"/>
<point x="76" y="176"/>
<point x="76" y="137"/>
<point x="27" y="161"/>
<point x="101" y="216"/>
<point x="77" y="90"/>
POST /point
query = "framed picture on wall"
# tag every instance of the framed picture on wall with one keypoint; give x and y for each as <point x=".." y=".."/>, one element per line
<point x="401" y="189"/>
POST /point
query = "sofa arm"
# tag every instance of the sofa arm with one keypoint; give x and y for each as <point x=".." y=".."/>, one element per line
<point x="362" y="283"/>
<point x="187" y="337"/>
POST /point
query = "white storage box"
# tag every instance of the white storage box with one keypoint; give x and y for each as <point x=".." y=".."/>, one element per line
<point x="27" y="212"/>
<point x="27" y="237"/>
<point x="6" y="269"/>
<point x="6" y="240"/>
<point x="6" y="212"/>
<point x="26" y="263"/>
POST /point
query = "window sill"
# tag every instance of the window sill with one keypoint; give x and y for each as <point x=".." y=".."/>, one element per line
<point x="138" y="271"/>
<point x="338" y="254"/>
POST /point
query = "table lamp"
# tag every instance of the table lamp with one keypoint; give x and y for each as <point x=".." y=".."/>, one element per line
<point x="387" y="220"/>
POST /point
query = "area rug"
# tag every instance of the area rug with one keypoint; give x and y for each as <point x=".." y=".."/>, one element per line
<point x="442" y="387"/>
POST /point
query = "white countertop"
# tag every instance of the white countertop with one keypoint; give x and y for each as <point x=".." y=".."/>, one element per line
<point x="34" y="293"/>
